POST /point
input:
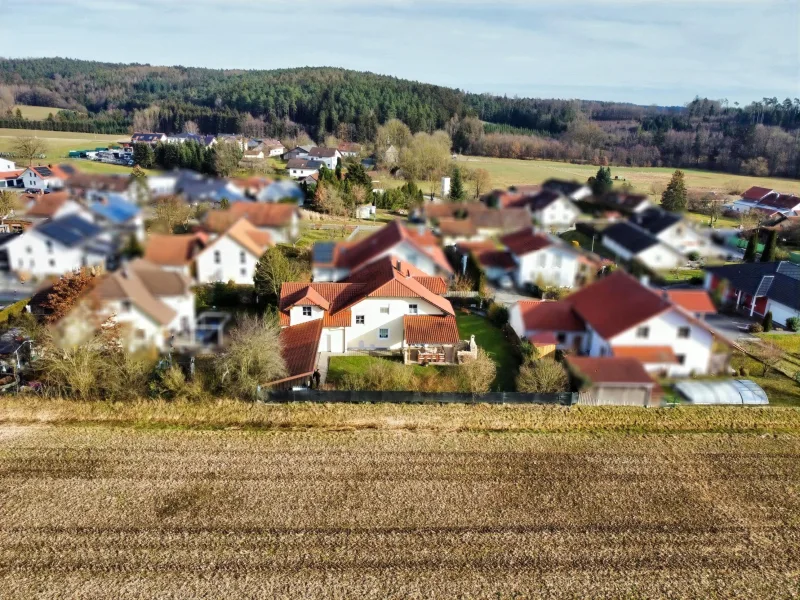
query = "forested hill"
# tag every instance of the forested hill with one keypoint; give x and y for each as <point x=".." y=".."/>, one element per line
<point x="114" y="98"/>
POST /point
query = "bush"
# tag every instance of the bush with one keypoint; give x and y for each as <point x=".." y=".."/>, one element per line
<point x="544" y="376"/>
<point x="498" y="314"/>
<point x="224" y="295"/>
<point x="379" y="375"/>
<point x="766" y="324"/>
<point x="755" y="328"/>
<point x="744" y="372"/>
<point x="793" y="323"/>
<point x="476" y="375"/>
<point x="253" y="358"/>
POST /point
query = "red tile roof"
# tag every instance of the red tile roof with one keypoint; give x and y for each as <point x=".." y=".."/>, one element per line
<point x="47" y="205"/>
<point x="299" y="347"/>
<point x="430" y="329"/>
<point x="260" y="214"/>
<point x="756" y="193"/>
<point x="545" y="338"/>
<point x="172" y="250"/>
<point x="617" y="303"/>
<point x="610" y="370"/>
<point x="525" y="241"/>
<point x="498" y="259"/>
<point x="360" y="253"/>
<point x="449" y="226"/>
<point x="695" y="301"/>
<point x="783" y="202"/>
<point x="647" y="354"/>
<point x="544" y="315"/>
<point x="380" y="279"/>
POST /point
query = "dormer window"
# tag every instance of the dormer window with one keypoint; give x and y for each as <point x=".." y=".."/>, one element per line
<point x="306" y="311"/>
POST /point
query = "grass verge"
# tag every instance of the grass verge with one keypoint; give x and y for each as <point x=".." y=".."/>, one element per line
<point x="224" y="413"/>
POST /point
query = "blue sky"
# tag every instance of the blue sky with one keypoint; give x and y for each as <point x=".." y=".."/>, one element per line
<point x="644" y="51"/>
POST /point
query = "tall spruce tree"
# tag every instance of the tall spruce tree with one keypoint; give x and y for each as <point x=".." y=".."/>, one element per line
<point x="768" y="255"/>
<point x="675" y="198"/>
<point x="750" y="251"/>
<point x="601" y="183"/>
<point x="457" y="193"/>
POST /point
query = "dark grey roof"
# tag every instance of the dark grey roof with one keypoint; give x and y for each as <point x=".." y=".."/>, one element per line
<point x="323" y="252"/>
<point x="630" y="237"/>
<point x="564" y="187"/>
<point x="543" y="199"/>
<point x="7" y="237"/>
<point x="323" y="152"/>
<point x="655" y="220"/>
<point x="70" y="230"/>
<point x="778" y="281"/>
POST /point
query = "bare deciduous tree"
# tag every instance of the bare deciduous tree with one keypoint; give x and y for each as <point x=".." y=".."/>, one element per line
<point x="28" y="148"/>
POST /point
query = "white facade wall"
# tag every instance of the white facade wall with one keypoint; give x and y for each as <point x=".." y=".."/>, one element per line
<point x="301" y="173"/>
<point x="660" y="257"/>
<point x="7" y="165"/>
<point x="552" y="265"/>
<point x="685" y="239"/>
<point x="162" y="185"/>
<point x="276" y="151"/>
<point x="225" y="260"/>
<point x="781" y="312"/>
<point x="559" y="214"/>
<point x="144" y="330"/>
<point x="40" y="256"/>
<point x="663" y="331"/>
<point x="367" y="336"/>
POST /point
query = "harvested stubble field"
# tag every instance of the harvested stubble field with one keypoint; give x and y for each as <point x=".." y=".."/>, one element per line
<point x="404" y="510"/>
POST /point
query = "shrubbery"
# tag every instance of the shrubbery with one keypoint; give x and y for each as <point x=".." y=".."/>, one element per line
<point x="793" y="323"/>
<point x="498" y="314"/>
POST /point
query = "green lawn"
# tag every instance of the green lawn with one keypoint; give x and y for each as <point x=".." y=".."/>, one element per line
<point x="508" y="171"/>
<point x="491" y="339"/>
<point x="720" y="223"/>
<point x="309" y="236"/>
<point x="680" y="275"/>
<point x="781" y="390"/>
<point x="585" y="242"/>
<point x="59" y="143"/>
<point x="36" y="113"/>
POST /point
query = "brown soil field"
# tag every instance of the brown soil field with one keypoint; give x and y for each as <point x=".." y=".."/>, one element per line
<point x="95" y="511"/>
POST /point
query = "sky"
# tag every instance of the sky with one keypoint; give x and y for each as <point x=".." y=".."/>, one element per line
<point x="643" y="51"/>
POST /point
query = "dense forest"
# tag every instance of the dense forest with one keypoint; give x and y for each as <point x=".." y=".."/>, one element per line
<point x="761" y="138"/>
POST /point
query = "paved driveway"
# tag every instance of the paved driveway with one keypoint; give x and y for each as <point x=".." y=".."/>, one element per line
<point x="732" y="326"/>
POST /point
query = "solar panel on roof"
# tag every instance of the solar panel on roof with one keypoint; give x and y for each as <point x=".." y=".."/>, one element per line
<point x="69" y="230"/>
<point x="323" y="252"/>
<point x="44" y="171"/>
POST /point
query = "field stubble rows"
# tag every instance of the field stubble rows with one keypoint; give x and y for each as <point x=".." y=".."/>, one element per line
<point x="382" y="514"/>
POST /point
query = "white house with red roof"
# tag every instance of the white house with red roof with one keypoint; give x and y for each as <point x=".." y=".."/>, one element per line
<point x="622" y="317"/>
<point x="43" y="178"/>
<point x="233" y="255"/>
<point x="767" y="200"/>
<point x="546" y="260"/>
<point x="415" y="246"/>
<point x="389" y="305"/>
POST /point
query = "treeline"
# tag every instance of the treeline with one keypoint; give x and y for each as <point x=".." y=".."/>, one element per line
<point x="759" y="139"/>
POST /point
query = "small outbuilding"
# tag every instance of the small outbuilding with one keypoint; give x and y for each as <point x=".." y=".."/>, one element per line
<point x="612" y="381"/>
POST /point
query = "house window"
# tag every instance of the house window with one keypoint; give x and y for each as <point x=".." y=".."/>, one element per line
<point x="242" y="257"/>
<point x="684" y="332"/>
<point x="52" y="262"/>
<point x="306" y="311"/>
<point x="28" y="250"/>
<point x="383" y="334"/>
<point x="385" y="310"/>
<point x="643" y="332"/>
<point x="217" y="257"/>
<point x="681" y="358"/>
<point x="49" y="246"/>
<point x="126" y="305"/>
<point x="243" y="272"/>
<point x="359" y="319"/>
<point x="413" y="309"/>
<point x="542" y="260"/>
<point x="557" y="261"/>
<point x="561" y="338"/>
